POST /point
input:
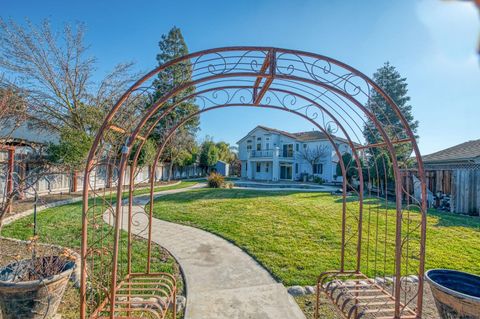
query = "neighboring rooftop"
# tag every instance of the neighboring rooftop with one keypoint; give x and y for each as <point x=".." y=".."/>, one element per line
<point x="27" y="134"/>
<point x="468" y="151"/>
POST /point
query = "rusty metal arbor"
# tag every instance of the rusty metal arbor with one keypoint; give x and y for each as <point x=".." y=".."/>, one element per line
<point x="383" y="213"/>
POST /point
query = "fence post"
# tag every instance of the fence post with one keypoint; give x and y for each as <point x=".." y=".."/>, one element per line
<point x="74" y="181"/>
<point x="11" y="163"/>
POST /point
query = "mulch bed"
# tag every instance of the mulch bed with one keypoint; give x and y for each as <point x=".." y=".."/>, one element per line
<point x="11" y="250"/>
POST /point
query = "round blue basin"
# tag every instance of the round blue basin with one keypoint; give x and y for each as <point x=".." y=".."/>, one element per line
<point x="456" y="293"/>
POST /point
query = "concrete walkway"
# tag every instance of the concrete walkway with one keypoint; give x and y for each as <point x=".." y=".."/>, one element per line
<point x="221" y="280"/>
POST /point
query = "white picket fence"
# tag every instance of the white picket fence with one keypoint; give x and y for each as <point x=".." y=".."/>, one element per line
<point x="57" y="183"/>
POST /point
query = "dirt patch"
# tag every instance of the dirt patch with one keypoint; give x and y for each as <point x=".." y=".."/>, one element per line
<point x="26" y="204"/>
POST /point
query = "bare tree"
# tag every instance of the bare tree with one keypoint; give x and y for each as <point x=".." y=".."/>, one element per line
<point x="313" y="155"/>
<point x="47" y="81"/>
<point x="55" y="75"/>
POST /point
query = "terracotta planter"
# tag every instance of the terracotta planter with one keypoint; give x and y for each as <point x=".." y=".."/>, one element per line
<point x="31" y="299"/>
<point x="456" y="293"/>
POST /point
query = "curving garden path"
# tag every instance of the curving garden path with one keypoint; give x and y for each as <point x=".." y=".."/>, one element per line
<point x="221" y="280"/>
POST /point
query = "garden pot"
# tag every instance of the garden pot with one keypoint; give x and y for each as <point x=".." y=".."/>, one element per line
<point x="456" y="293"/>
<point x="35" y="298"/>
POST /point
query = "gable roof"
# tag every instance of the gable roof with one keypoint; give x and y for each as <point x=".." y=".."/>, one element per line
<point x="462" y="152"/>
<point x="299" y="136"/>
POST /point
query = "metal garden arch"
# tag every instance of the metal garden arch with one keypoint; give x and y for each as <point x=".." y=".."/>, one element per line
<point x="376" y="240"/>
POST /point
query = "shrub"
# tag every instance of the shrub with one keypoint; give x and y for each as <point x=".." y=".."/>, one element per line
<point x="215" y="180"/>
<point x="318" y="180"/>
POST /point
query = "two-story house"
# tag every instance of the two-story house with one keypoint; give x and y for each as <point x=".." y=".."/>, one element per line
<point x="271" y="154"/>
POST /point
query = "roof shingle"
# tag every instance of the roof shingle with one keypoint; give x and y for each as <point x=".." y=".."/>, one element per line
<point x="466" y="151"/>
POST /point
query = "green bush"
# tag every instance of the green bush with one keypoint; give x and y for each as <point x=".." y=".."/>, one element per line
<point x="215" y="180"/>
<point x="318" y="180"/>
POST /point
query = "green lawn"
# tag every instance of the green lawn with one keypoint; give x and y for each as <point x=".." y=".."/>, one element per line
<point x="296" y="235"/>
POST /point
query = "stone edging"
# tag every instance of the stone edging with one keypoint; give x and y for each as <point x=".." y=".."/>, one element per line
<point x="297" y="291"/>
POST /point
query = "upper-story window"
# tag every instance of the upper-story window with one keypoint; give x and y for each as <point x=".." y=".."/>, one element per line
<point x="297" y="146"/>
<point x="249" y="148"/>
<point x="259" y="146"/>
<point x="267" y="146"/>
<point x="259" y="138"/>
<point x="304" y="145"/>
<point x="287" y="150"/>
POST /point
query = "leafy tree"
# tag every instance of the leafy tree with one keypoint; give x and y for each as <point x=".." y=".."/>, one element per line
<point x="72" y="148"/>
<point x="147" y="153"/>
<point x="180" y="147"/>
<point x="390" y="80"/>
<point x="381" y="170"/>
<point x="208" y="154"/>
<point x="225" y="152"/>
<point x="350" y="164"/>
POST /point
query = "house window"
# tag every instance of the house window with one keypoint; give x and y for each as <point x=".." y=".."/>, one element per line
<point x="259" y="138"/>
<point x="304" y="145"/>
<point x="317" y="168"/>
<point x="297" y="146"/>
<point x="267" y="146"/>
<point x="249" y="147"/>
<point x="267" y="166"/>
<point x="296" y="166"/>
<point x="259" y="167"/>
<point x="259" y="147"/>
<point x="288" y="150"/>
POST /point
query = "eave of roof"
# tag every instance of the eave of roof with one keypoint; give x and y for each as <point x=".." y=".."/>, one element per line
<point x="467" y="151"/>
<point x="298" y="136"/>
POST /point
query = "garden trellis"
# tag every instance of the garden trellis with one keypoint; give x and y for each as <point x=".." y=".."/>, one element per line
<point x="380" y="208"/>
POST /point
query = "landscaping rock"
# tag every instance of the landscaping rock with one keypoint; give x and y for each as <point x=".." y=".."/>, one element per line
<point x="310" y="290"/>
<point x="137" y="302"/>
<point x="296" y="291"/>
<point x="181" y="302"/>
<point x="413" y="278"/>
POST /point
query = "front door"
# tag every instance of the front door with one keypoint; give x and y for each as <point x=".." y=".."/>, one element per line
<point x="286" y="172"/>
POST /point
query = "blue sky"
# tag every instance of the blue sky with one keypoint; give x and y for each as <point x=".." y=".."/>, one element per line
<point x="431" y="42"/>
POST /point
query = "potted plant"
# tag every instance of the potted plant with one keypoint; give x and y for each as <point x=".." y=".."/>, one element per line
<point x="34" y="287"/>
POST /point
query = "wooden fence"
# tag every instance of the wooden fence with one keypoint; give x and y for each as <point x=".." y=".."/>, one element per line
<point x="461" y="184"/>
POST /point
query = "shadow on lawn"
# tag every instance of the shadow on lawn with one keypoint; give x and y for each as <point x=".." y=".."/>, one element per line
<point x="446" y="219"/>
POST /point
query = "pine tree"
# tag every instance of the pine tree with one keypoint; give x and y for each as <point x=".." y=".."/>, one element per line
<point x="390" y="80"/>
<point x="172" y="46"/>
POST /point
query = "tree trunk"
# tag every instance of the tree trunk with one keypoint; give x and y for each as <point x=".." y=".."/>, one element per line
<point x="170" y="172"/>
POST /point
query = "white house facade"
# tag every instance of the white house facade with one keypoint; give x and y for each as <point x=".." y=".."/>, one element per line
<point x="274" y="155"/>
